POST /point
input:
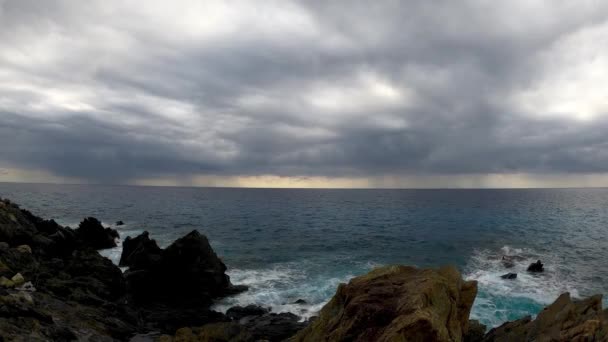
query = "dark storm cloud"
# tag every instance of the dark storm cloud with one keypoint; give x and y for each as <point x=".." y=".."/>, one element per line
<point x="112" y="92"/>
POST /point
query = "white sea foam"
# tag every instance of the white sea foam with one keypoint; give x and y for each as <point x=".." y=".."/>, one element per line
<point x="279" y="287"/>
<point x="502" y="299"/>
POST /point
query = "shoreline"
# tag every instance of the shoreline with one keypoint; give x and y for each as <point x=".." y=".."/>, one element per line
<point x="54" y="278"/>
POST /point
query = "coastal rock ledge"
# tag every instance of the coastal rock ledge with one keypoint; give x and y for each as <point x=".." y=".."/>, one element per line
<point x="396" y="303"/>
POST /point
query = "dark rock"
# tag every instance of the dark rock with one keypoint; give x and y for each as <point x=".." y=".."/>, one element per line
<point x="188" y="271"/>
<point x="15" y="228"/>
<point x="509" y="276"/>
<point x="536" y="267"/>
<point x="300" y="302"/>
<point x="94" y="235"/>
<point x="237" y="312"/>
<point x="274" y="327"/>
<point x="119" y="223"/>
<point x="140" y="252"/>
<point x="215" y="332"/>
<point x="169" y="318"/>
<point x="396" y="303"/>
<point x="475" y="333"/>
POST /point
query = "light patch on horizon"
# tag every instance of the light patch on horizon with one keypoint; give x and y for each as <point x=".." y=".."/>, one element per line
<point x="18" y="175"/>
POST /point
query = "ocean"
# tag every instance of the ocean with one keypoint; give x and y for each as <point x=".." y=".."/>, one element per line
<point x="290" y="244"/>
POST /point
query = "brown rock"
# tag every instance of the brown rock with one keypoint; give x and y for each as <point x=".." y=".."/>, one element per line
<point x="396" y="303"/>
<point x="564" y="320"/>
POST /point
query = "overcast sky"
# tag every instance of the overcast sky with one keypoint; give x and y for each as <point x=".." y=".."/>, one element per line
<point x="310" y="93"/>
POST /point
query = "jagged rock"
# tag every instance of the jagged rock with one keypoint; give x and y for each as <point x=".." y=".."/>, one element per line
<point x="238" y="312"/>
<point x="476" y="331"/>
<point x="396" y="303"/>
<point x="509" y="276"/>
<point x="87" y="277"/>
<point x="139" y="252"/>
<point x="15" y="229"/>
<point x="93" y="234"/>
<point x="536" y="267"/>
<point x="564" y="320"/>
<point x="188" y="271"/>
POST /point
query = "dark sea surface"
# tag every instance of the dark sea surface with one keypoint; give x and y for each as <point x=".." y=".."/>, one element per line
<point x="297" y="243"/>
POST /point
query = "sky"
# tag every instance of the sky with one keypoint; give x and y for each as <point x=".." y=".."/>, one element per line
<point x="305" y="93"/>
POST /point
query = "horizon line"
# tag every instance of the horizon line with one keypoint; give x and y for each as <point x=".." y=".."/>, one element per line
<point x="305" y="188"/>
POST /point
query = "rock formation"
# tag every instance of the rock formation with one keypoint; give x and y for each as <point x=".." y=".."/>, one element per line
<point x="187" y="272"/>
<point x="509" y="276"/>
<point x="536" y="267"/>
<point x="564" y="320"/>
<point x="93" y="234"/>
<point x="396" y="303"/>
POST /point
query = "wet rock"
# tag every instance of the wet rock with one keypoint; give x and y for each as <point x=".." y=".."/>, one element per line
<point x="300" y="302"/>
<point x="140" y="252"/>
<point x="564" y="320"/>
<point x="119" y="223"/>
<point x="509" y="276"/>
<point x="396" y="303"/>
<point x="94" y="235"/>
<point x="536" y="267"/>
<point x="238" y="312"/>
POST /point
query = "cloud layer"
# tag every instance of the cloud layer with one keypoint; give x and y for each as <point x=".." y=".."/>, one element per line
<point x="121" y="92"/>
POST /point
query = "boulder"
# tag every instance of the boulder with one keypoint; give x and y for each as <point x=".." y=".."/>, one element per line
<point x="140" y="252"/>
<point x="396" y="303"/>
<point x="187" y="272"/>
<point x="92" y="234"/>
<point x="536" y="267"/>
<point x="119" y="223"/>
<point x="238" y="312"/>
<point x="509" y="276"/>
<point x="564" y="320"/>
<point x="300" y="302"/>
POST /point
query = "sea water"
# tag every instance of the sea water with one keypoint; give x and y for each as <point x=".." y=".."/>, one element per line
<point x="300" y="244"/>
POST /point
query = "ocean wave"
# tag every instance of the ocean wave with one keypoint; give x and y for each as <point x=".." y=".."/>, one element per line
<point x="279" y="286"/>
<point x="500" y="299"/>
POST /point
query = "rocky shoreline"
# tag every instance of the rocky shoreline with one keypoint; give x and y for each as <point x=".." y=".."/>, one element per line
<point x="55" y="286"/>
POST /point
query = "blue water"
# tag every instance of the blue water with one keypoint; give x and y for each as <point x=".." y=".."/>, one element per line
<point x="291" y="244"/>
